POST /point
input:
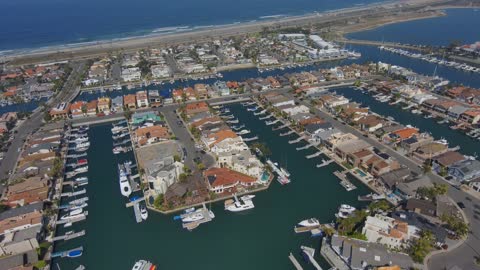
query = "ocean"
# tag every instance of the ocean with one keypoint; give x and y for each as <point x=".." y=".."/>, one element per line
<point x="34" y="24"/>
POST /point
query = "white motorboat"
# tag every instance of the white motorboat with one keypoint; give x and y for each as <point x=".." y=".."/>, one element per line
<point x="73" y="213"/>
<point x="347" y="208"/>
<point x="78" y="206"/>
<point x="143" y="265"/>
<point x="125" y="188"/>
<point x="194" y="216"/>
<point x="247" y="197"/>
<point x="143" y="212"/>
<point x="311" y="222"/>
<point x="237" y="205"/>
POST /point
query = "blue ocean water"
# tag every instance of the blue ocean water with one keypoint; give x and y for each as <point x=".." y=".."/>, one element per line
<point x="459" y="25"/>
<point x="33" y="24"/>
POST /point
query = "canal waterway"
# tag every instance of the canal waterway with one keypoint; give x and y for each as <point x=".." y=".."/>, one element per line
<point x="258" y="239"/>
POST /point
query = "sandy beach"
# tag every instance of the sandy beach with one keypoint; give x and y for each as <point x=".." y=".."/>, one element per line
<point x="351" y="19"/>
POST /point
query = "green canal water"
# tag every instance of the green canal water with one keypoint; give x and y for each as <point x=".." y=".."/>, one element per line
<point x="258" y="239"/>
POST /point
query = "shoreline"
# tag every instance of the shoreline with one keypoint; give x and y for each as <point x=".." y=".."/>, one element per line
<point x="339" y="17"/>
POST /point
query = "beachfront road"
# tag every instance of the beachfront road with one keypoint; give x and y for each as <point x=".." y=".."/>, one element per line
<point x="462" y="256"/>
<point x="68" y="92"/>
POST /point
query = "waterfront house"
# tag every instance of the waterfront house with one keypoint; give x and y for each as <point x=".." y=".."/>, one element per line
<point x="344" y="148"/>
<point x="103" y="105"/>
<point x="131" y="74"/>
<point x="443" y="161"/>
<point x="370" y="123"/>
<point x="18" y="222"/>
<point x="117" y="104"/>
<point x="411" y="144"/>
<point x="196" y="107"/>
<point x="360" y="157"/>
<point x="421" y="98"/>
<point x="60" y="111"/>
<point x="313" y="129"/>
<point x="395" y="177"/>
<point x="241" y="161"/>
<point x="142" y="99"/>
<point x="408" y="189"/>
<point x="359" y="254"/>
<point x="154" y="98"/>
<point x="21" y="261"/>
<point x="178" y="95"/>
<point x="443" y="106"/>
<point x="471" y="116"/>
<point x="207" y="120"/>
<point x="220" y="180"/>
<point x="229" y="145"/>
<point x="221" y="88"/>
<point x="201" y="90"/>
<point x="292" y="110"/>
<point x="420" y="223"/>
<point x="430" y="150"/>
<point x="140" y="118"/>
<point x="456" y="111"/>
<point x="130" y="101"/>
<point x="161" y="71"/>
<point x="78" y="109"/>
<point x="151" y="134"/>
<point x="386" y="231"/>
<point x="91" y="108"/>
<point x="190" y="93"/>
<point x="400" y="135"/>
<point x="214" y="138"/>
<point x="465" y="170"/>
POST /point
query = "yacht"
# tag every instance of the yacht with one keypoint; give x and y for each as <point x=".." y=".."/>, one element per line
<point x="73" y="213"/>
<point x="143" y="212"/>
<point x="347" y="208"/>
<point x="124" y="184"/>
<point x="236" y="205"/>
<point x="311" y="222"/>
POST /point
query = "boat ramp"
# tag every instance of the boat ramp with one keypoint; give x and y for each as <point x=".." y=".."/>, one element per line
<point x="69" y="236"/>
<point x="344" y="180"/>
<point x="314" y="155"/>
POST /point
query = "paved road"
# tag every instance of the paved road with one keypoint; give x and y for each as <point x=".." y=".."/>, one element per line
<point x="463" y="256"/>
<point x="68" y="92"/>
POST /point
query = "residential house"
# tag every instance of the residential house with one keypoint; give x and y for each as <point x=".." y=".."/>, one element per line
<point x="201" y="90"/>
<point x="465" y="170"/>
<point x="471" y="116"/>
<point x="220" y="180"/>
<point x="117" y="104"/>
<point x="151" y="134"/>
<point x="196" y="107"/>
<point x="386" y="231"/>
<point x="91" y="108"/>
<point x="423" y="207"/>
<point x="78" y="109"/>
<point x="370" y="123"/>
<point x="130" y="101"/>
<point x="154" y="98"/>
<point x="103" y="105"/>
<point x="61" y="111"/>
<point x="142" y="99"/>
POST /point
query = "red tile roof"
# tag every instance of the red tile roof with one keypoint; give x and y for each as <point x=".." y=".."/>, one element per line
<point x="226" y="177"/>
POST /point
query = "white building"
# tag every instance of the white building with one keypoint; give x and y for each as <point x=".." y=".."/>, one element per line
<point x="387" y="231"/>
<point x="131" y="74"/>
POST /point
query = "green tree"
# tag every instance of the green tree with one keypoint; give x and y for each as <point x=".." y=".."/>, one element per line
<point x="176" y="158"/>
<point x="182" y="177"/>
<point x="383" y="205"/>
<point x="57" y="167"/>
<point x="421" y="246"/>
<point x="158" y="202"/>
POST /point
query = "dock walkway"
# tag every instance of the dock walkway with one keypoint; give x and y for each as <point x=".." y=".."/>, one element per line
<point x="70" y="194"/>
<point x="295" y="262"/>
<point x="296" y="140"/>
<point x="69" y="236"/>
<point x="314" y="155"/>
<point x="73" y="220"/>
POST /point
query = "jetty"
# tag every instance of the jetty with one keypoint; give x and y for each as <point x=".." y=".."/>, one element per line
<point x="295" y="262"/>
<point x="68" y="236"/>
<point x="304" y="229"/>
<point x="296" y="140"/>
<point x="304" y="147"/>
<point x="269" y="123"/>
<point x="75" y="193"/>
<point x="250" y="139"/>
<point x="280" y="127"/>
<point x="344" y="180"/>
<point x="260" y="112"/>
<point x="62" y="254"/>
<point x="265" y="117"/>
<point x="314" y="155"/>
<point x="286" y="133"/>
<point x="310" y="252"/>
<point x="136" y="211"/>
<point x="192" y="225"/>
<point x="122" y="142"/>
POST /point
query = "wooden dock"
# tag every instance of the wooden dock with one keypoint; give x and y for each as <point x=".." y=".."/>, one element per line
<point x="305" y="229"/>
<point x="295" y="262"/>
<point x="269" y="123"/>
<point x="130" y="204"/>
<point x="304" y="147"/>
<point x="310" y="252"/>
<point x="287" y="133"/>
<point x="280" y="127"/>
<point x="250" y="139"/>
<point x="344" y="180"/>
<point x="69" y="236"/>
<point x="265" y="117"/>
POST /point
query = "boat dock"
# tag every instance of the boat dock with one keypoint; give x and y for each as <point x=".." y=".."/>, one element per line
<point x="63" y="254"/>
<point x="280" y="127"/>
<point x="325" y="163"/>
<point x="192" y="225"/>
<point x="310" y="252"/>
<point x="304" y="147"/>
<point x="136" y="211"/>
<point x="314" y="155"/>
<point x="250" y="139"/>
<point x="69" y="236"/>
<point x="265" y="117"/>
<point x="75" y="193"/>
<point x="304" y="229"/>
<point x="77" y="155"/>
<point x="80" y="217"/>
<point x="345" y="182"/>
<point x="269" y="123"/>
<point x="295" y="262"/>
<point x="287" y="133"/>
<point x="296" y="140"/>
<point x="122" y="142"/>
